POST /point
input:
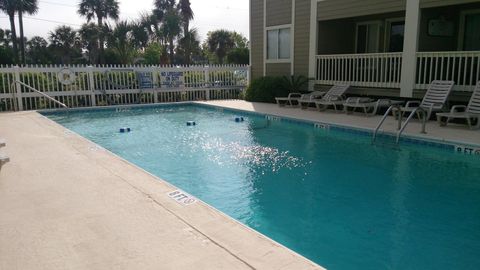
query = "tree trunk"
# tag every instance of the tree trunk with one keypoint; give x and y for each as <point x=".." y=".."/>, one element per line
<point x="172" y="48"/>
<point x="14" y="37"/>
<point x="186" y="33"/>
<point x="22" y="41"/>
<point x="101" y="41"/>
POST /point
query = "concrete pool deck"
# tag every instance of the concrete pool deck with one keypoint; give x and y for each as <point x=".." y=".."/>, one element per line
<point x="453" y="132"/>
<point x="66" y="203"/>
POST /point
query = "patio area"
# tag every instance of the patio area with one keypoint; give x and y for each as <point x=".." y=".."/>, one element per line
<point x="66" y="203"/>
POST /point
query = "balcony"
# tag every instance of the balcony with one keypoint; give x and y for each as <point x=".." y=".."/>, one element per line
<point x="383" y="70"/>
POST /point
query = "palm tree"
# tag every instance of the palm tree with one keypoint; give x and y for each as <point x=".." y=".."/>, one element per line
<point x="65" y="42"/>
<point x="161" y="8"/>
<point x="220" y="42"/>
<point x="89" y="36"/>
<point x="10" y="7"/>
<point x="189" y="45"/>
<point x="121" y="40"/>
<point x="170" y="30"/>
<point x="186" y="13"/>
<point x="25" y="6"/>
<point x="102" y="10"/>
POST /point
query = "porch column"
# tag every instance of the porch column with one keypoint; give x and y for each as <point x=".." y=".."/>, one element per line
<point x="410" y="46"/>
<point x="312" y="62"/>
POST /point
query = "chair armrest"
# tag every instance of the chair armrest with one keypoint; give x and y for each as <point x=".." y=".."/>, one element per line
<point x="458" y="108"/>
<point x="412" y="104"/>
<point x="294" y="95"/>
<point x="338" y="98"/>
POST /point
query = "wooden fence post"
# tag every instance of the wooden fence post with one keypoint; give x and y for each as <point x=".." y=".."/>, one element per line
<point x="207" y="82"/>
<point x="18" y="88"/>
<point x="156" y="85"/>
<point x="91" y="86"/>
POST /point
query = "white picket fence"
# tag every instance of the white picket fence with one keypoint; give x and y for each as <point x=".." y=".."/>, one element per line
<point x="117" y="85"/>
<point x="383" y="70"/>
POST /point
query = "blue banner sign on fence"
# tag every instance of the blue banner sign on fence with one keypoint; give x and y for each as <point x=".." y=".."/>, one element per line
<point x="145" y="80"/>
<point x="172" y="79"/>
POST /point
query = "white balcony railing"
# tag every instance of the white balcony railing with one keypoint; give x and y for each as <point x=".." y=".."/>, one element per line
<point x="362" y="70"/>
<point x="383" y="70"/>
<point x="461" y="67"/>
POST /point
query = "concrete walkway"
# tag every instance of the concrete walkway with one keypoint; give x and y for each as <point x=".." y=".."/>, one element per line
<point x="67" y="204"/>
<point x="453" y="132"/>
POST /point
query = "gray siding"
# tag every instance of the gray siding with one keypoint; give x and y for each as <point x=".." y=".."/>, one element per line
<point x="438" y="3"/>
<point x="302" y="37"/>
<point x="278" y="69"/>
<point x="279" y="12"/>
<point x="336" y="9"/>
<point x="256" y="37"/>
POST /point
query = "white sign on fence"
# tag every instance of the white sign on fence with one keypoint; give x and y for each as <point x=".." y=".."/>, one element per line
<point x="172" y="79"/>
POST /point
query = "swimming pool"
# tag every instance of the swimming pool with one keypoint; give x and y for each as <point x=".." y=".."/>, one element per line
<point x="327" y="194"/>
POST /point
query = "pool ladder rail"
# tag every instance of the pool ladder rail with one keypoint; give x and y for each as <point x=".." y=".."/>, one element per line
<point x="397" y="112"/>
<point x="36" y="91"/>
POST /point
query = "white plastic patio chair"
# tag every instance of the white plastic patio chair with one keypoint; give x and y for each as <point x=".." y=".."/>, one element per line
<point x="334" y="97"/>
<point x="291" y="100"/>
<point x="309" y="99"/>
<point x="367" y="105"/>
<point x="471" y="112"/>
<point x="433" y="101"/>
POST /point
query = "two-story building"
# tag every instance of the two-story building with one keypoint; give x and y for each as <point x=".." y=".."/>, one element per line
<point x="379" y="47"/>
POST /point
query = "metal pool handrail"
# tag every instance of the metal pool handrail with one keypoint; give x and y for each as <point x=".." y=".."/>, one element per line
<point x="41" y="93"/>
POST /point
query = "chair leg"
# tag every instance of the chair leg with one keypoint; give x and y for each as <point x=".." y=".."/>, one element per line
<point x="469" y="122"/>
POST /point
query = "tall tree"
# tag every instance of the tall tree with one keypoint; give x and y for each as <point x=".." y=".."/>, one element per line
<point x="6" y="52"/>
<point x="89" y="36"/>
<point x="121" y="40"/>
<point x="10" y="8"/>
<point x="65" y="42"/>
<point x="220" y="42"/>
<point x="161" y="7"/>
<point x="186" y="13"/>
<point x="37" y="51"/>
<point x="190" y="43"/>
<point x="25" y="6"/>
<point x="170" y="30"/>
<point x="101" y="10"/>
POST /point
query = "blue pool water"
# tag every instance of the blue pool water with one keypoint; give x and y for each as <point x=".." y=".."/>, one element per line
<point x="329" y="195"/>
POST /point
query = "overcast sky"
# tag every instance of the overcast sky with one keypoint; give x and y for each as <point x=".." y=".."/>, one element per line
<point x="209" y="15"/>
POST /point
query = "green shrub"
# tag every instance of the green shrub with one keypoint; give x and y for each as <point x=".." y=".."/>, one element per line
<point x="265" y="89"/>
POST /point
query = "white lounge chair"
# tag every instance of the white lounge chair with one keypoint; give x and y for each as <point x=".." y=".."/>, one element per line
<point x="367" y="105"/>
<point x="3" y="160"/>
<point x="469" y="112"/>
<point x="433" y="101"/>
<point x="291" y="100"/>
<point x="310" y="98"/>
<point x="334" y="97"/>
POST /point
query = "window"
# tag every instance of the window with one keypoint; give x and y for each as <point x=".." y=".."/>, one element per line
<point x="469" y="34"/>
<point x="368" y="35"/>
<point x="278" y="44"/>
<point x="395" y="34"/>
